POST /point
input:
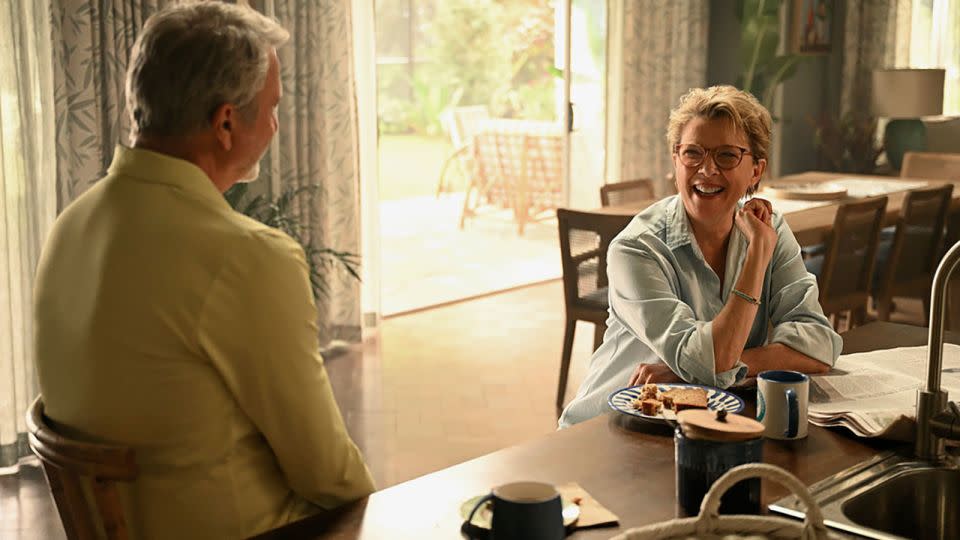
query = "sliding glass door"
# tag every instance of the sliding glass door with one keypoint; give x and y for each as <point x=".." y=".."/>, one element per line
<point x="483" y="132"/>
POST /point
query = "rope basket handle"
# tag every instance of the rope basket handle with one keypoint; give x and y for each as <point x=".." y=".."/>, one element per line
<point x="708" y="519"/>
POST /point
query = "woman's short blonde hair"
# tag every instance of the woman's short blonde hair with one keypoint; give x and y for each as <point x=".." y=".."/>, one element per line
<point x="746" y="113"/>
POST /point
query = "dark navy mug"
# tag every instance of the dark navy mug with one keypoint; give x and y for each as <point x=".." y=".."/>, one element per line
<point x="524" y="510"/>
<point x="700" y="462"/>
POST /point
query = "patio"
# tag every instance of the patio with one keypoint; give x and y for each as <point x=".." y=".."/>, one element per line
<point x="427" y="260"/>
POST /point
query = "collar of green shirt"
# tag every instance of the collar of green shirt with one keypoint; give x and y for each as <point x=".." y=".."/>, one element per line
<point x="157" y="168"/>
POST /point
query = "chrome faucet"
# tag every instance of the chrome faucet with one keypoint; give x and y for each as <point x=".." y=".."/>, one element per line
<point x="937" y="417"/>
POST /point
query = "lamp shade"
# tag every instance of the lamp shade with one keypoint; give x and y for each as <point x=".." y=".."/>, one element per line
<point x="907" y="93"/>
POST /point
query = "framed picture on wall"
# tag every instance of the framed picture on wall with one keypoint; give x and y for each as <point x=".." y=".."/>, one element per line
<point x="811" y="26"/>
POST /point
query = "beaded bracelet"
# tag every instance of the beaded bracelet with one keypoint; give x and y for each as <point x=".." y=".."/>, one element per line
<point x="747" y="297"/>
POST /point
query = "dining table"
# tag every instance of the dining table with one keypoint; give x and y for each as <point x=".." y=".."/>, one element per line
<point x="811" y="222"/>
<point x="624" y="463"/>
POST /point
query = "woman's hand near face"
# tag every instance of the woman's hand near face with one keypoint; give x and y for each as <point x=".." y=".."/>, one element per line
<point x="760" y="208"/>
<point x="755" y="221"/>
<point x="653" y="373"/>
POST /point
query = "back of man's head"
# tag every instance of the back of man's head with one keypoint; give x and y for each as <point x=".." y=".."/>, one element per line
<point x="192" y="58"/>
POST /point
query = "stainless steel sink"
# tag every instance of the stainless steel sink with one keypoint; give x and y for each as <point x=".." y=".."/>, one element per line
<point x="891" y="496"/>
<point x="888" y="497"/>
<point x="920" y="503"/>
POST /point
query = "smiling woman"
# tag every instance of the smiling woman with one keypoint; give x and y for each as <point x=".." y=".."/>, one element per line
<point x="698" y="280"/>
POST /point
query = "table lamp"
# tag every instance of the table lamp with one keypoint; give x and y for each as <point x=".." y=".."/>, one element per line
<point x="904" y="95"/>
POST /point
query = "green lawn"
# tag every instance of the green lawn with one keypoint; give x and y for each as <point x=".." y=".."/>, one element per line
<point x="410" y="166"/>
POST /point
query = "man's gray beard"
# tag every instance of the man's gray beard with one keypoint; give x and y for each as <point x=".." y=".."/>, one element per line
<point x="251" y="174"/>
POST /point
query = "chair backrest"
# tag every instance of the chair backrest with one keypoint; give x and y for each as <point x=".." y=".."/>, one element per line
<point x="934" y="166"/>
<point x="520" y="163"/>
<point x="584" y="239"/>
<point x="626" y="192"/>
<point x="67" y="462"/>
<point x="848" y="266"/>
<point x="462" y="123"/>
<point x="916" y="245"/>
<point x="931" y="166"/>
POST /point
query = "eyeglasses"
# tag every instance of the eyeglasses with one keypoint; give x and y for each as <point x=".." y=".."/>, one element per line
<point x="726" y="156"/>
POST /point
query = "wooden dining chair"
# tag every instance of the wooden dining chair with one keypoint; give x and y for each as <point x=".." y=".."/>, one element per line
<point x="931" y="166"/>
<point x="68" y="464"/>
<point x="845" y="271"/>
<point x="906" y="265"/>
<point x="617" y="193"/>
<point x="936" y="166"/>
<point x="584" y="239"/>
<point x="940" y="166"/>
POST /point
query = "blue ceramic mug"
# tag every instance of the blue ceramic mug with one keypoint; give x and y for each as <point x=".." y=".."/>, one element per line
<point x="524" y="510"/>
<point x="782" y="398"/>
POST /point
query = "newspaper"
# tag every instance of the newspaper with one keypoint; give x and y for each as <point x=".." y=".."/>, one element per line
<point x="874" y="394"/>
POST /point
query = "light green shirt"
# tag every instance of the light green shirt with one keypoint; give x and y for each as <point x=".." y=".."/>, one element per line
<point x="664" y="297"/>
<point x="168" y="322"/>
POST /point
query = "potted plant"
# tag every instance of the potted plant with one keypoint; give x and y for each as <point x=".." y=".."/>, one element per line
<point x="849" y="144"/>
<point x="763" y="69"/>
<point x="280" y="213"/>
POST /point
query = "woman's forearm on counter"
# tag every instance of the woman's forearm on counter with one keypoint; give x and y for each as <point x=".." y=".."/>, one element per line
<point x="731" y="327"/>
<point x="780" y="356"/>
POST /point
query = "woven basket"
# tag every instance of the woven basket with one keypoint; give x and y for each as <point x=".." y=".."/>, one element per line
<point x="711" y="525"/>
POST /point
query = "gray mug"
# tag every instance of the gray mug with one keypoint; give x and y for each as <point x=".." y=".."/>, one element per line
<point x="524" y="510"/>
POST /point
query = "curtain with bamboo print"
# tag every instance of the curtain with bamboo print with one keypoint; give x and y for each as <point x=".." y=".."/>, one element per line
<point x="92" y="40"/>
<point x="876" y="35"/>
<point x="664" y="55"/>
<point x="316" y="143"/>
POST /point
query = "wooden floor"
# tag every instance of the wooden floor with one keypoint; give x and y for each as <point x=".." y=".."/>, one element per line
<point x="453" y="263"/>
<point x="438" y="387"/>
<point x="453" y="383"/>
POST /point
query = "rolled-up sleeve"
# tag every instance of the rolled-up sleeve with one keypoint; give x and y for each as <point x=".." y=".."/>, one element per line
<point x="645" y="297"/>
<point x="795" y="313"/>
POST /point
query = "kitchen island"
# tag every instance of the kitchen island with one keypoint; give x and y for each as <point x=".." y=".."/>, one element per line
<point x="624" y="463"/>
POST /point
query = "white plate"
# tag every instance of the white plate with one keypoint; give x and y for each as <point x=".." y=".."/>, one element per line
<point x="717" y="399"/>
<point x="807" y="191"/>
<point x="571" y="512"/>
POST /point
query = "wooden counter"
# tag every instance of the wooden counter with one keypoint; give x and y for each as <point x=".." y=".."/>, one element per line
<point x="626" y="464"/>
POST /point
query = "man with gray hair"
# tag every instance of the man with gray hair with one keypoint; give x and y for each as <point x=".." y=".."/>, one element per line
<point x="167" y="322"/>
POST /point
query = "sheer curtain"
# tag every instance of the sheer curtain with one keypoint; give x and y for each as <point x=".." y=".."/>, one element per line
<point x="27" y="204"/>
<point x="876" y="35"/>
<point x="365" y="72"/>
<point x="318" y="143"/>
<point x="935" y="43"/>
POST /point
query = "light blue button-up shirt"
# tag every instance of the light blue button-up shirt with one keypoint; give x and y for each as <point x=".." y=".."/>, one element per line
<point x="664" y="297"/>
